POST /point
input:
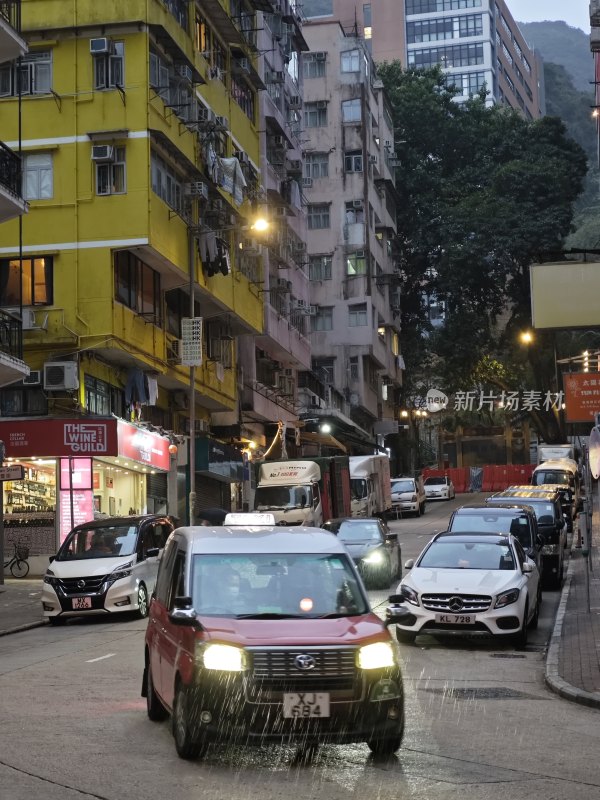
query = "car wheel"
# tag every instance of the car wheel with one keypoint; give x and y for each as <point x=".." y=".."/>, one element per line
<point x="520" y="638"/>
<point x="156" y="711"/>
<point x="142" y="601"/>
<point x="187" y="744"/>
<point x="388" y="746"/>
<point x="405" y="637"/>
<point x="536" y="617"/>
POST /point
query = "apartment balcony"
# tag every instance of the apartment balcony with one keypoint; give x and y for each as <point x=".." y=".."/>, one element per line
<point x="11" y="44"/>
<point x="12" y="366"/>
<point x="11" y="201"/>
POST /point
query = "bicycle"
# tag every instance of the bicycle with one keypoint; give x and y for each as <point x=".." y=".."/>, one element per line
<point x="18" y="564"/>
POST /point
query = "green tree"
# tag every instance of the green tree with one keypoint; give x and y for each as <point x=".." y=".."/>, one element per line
<point x="484" y="192"/>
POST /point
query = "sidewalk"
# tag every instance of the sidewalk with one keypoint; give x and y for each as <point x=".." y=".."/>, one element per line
<point x="573" y="658"/>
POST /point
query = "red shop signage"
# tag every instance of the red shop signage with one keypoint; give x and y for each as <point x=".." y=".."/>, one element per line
<point x="143" y="446"/>
<point x="59" y="437"/>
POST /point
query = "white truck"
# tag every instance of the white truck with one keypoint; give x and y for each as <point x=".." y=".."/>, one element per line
<point x="554" y="452"/>
<point x="370" y="485"/>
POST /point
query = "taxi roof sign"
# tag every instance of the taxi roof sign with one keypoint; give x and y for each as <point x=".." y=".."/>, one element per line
<point x="238" y="519"/>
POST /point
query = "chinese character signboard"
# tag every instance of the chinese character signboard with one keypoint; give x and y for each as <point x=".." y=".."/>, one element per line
<point x="582" y="396"/>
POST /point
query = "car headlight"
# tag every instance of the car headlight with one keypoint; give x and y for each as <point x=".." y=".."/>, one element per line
<point x="413" y="498"/>
<point x="124" y="571"/>
<point x="376" y="557"/>
<point x="506" y="598"/>
<point x="50" y="578"/>
<point x="376" y="656"/>
<point x="224" y="657"/>
<point x="409" y="594"/>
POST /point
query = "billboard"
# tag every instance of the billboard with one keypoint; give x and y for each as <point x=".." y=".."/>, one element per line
<point x="582" y="396"/>
<point x="565" y="295"/>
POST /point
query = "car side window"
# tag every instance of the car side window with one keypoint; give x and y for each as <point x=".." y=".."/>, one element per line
<point x="164" y="572"/>
<point x="145" y="541"/>
<point x="161" y="534"/>
<point x="177" y="582"/>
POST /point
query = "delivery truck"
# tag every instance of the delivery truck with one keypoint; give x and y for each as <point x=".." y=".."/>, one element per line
<point x="305" y="491"/>
<point x="554" y="452"/>
<point x="370" y="485"/>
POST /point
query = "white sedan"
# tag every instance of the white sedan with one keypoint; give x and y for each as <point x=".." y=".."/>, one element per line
<point x="439" y="488"/>
<point x="468" y="583"/>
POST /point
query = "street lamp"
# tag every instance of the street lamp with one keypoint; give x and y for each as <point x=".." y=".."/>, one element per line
<point x="526" y="337"/>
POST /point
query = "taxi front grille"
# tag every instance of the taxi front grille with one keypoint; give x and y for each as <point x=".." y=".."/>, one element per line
<point x="277" y="671"/>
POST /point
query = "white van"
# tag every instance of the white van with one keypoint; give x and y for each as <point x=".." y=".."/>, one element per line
<point x="560" y="471"/>
<point x="408" y="496"/>
<point x="105" y="566"/>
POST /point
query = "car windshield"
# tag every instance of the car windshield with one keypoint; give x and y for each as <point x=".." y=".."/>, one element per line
<point x="484" y="521"/>
<point x="551" y="476"/>
<point x="98" y="542"/>
<point x="276" y="586"/>
<point x="407" y="485"/>
<point x="435" y="481"/>
<point x="467" y="555"/>
<point x="273" y="498"/>
<point x="359" y="531"/>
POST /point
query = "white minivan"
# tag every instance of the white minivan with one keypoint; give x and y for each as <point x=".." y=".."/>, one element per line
<point x="408" y="496"/>
<point x="105" y="566"/>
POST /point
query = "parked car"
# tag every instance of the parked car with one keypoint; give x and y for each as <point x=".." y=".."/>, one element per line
<point x="561" y="471"/>
<point x="567" y="499"/>
<point x="551" y="527"/>
<point x="439" y="488"/>
<point x="373" y="547"/>
<point x="408" y="496"/>
<point x="105" y="566"/>
<point x="518" y="519"/>
<point x="265" y="634"/>
<point x="468" y="583"/>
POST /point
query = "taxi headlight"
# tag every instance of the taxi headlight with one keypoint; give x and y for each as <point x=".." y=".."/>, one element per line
<point x="376" y="656"/>
<point x="224" y="657"/>
<point x="376" y="557"/>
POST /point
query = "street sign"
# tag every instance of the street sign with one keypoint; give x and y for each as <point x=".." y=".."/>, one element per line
<point x="15" y="473"/>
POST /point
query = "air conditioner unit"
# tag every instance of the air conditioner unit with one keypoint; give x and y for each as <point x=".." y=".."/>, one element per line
<point x="103" y="152"/>
<point x="372" y="159"/>
<point x="222" y="122"/>
<point x="60" y="376"/>
<point x="279" y="141"/>
<point x="103" y="46"/>
<point x="320" y="56"/>
<point x="205" y="114"/>
<point x="313" y="310"/>
<point x="244" y="64"/>
<point x="295" y="101"/>
<point x="307" y="183"/>
<point x="357" y="204"/>
<point x="33" y="379"/>
<point x="196" y="189"/>
<point x="278" y="76"/>
<point x="217" y="205"/>
<point x="321" y="104"/>
<point x="184" y="72"/>
<point x="299" y="247"/>
<point x="202" y="425"/>
<point x="250" y="247"/>
<point x="283" y="285"/>
<point x="174" y="351"/>
<point x="28" y="319"/>
<point x="295" y="165"/>
<point x="215" y="73"/>
<point x="388" y="144"/>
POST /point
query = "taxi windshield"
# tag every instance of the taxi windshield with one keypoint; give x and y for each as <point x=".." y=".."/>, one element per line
<point x="278" y="586"/>
<point x="407" y="485"/>
<point x="98" y="542"/>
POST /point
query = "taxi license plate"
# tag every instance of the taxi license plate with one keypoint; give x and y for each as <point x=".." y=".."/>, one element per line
<point x="455" y="619"/>
<point x="81" y="602"/>
<point x="306" y="705"/>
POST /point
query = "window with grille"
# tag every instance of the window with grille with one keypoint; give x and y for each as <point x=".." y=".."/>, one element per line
<point x="315" y="115"/>
<point x="357" y="315"/>
<point x="356" y="263"/>
<point x="351" y="110"/>
<point x="319" y="268"/>
<point x="316" y="165"/>
<point x="318" y="216"/>
<point x="353" y="161"/>
<point x="38" y="177"/>
<point x="323" y="319"/>
<point x="111" y="176"/>
<point x="350" y="61"/>
<point x="34" y="74"/>
<point x="109" y="68"/>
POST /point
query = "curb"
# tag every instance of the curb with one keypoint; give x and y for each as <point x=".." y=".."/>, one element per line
<point x="552" y="677"/>
<point x="25" y="627"/>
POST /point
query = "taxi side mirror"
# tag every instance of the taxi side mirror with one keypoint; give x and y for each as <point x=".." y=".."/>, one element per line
<point x="183" y="613"/>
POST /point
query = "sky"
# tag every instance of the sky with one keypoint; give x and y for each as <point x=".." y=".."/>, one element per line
<point x="574" y="12"/>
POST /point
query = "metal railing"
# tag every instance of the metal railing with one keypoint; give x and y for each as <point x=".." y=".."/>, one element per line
<point x="11" y="335"/>
<point x="10" y="170"/>
<point x="10" y="10"/>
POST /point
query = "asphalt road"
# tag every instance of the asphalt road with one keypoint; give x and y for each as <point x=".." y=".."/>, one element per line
<point x="480" y="724"/>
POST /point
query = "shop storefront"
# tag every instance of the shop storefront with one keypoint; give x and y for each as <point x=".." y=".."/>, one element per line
<point x="219" y="475"/>
<point x="76" y="469"/>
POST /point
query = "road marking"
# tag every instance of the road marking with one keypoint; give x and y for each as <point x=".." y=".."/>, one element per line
<point x="92" y="660"/>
